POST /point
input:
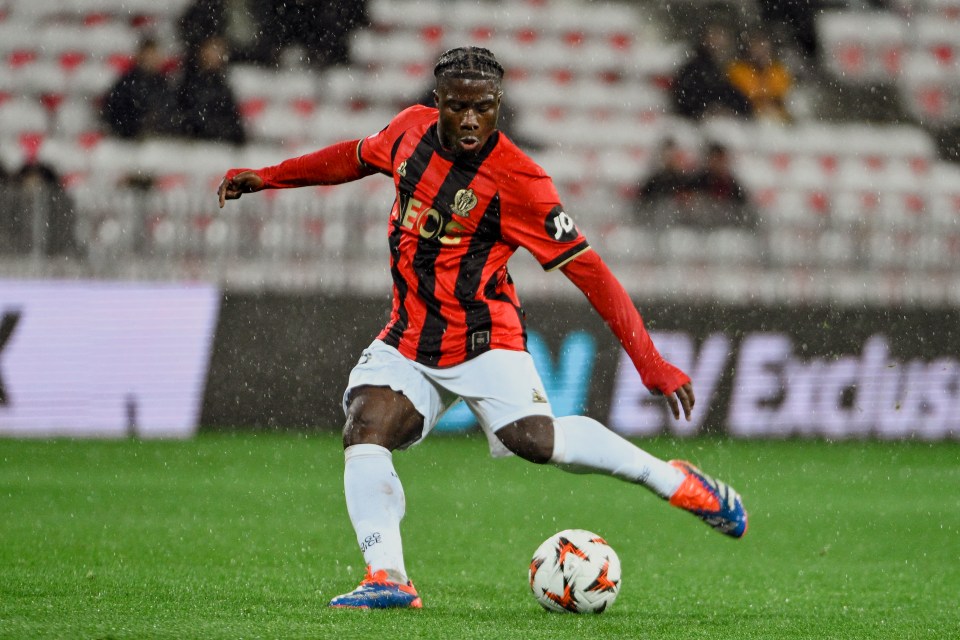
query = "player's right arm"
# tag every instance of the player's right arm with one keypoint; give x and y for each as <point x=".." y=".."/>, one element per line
<point x="335" y="164"/>
<point x="341" y="162"/>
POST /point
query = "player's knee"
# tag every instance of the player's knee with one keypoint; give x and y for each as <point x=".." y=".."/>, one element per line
<point x="360" y="430"/>
<point x="381" y="417"/>
<point x="530" y="438"/>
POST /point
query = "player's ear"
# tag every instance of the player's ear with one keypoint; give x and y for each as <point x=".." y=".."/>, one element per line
<point x="436" y="98"/>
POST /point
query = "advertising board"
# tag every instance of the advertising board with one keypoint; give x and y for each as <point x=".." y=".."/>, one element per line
<point x="758" y="372"/>
<point x="103" y="359"/>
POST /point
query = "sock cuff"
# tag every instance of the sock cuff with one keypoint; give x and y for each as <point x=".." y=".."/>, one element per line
<point x="366" y="451"/>
<point x="559" y="443"/>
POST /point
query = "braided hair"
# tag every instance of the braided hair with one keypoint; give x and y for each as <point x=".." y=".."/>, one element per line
<point x="473" y="63"/>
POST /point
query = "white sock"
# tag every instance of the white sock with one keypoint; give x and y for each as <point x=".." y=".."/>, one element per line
<point x="376" y="505"/>
<point x="583" y="445"/>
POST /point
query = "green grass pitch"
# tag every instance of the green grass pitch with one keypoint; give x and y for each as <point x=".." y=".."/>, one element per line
<point x="247" y="537"/>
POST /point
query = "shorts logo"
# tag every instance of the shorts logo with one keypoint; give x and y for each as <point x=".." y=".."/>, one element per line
<point x="402" y="169"/>
<point x="464" y="202"/>
<point x="538" y="396"/>
<point x="364" y="358"/>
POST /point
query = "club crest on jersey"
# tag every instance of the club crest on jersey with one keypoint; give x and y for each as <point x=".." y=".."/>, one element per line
<point x="464" y="202"/>
<point x="402" y="169"/>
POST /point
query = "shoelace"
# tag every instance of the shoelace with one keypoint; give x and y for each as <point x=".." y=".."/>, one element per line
<point x="380" y="577"/>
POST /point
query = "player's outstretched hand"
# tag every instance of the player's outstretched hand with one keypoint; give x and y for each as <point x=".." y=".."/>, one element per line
<point x="238" y="182"/>
<point x="662" y="378"/>
<point x="682" y="397"/>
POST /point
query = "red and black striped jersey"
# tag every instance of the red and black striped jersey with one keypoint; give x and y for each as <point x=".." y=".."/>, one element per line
<point x="454" y="225"/>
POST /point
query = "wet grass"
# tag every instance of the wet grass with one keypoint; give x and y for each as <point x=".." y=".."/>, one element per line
<point x="247" y="537"/>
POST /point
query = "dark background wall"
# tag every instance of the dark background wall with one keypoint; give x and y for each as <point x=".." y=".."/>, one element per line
<point x="281" y="361"/>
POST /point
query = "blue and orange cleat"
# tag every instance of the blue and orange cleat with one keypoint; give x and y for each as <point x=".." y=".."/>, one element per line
<point x="711" y="500"/>
<point x="376" y="591"/>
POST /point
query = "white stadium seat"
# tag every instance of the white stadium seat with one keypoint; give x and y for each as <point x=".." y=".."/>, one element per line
<point x="862" y="46"/>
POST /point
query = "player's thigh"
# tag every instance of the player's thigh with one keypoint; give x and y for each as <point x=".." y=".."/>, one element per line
<point x="501" y="387"/>
<point x="388" y="399"/>
<point x="382" y="416"/>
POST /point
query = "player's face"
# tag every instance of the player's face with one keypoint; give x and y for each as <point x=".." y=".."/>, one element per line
<point x="468" y="113"/>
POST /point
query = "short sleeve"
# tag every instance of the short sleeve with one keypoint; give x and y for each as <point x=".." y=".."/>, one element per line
<point x="535" y="220"/>
<point x="377" y="150"/>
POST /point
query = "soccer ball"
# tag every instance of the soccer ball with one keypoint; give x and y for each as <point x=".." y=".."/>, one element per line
<point x="576" y="571"/>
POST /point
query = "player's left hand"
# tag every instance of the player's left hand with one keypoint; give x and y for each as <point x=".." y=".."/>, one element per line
<point x="663" y="378"/>
<point x="682" y="397"/>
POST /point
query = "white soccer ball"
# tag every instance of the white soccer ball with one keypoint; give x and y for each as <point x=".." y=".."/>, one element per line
<point x="575" y="571"/>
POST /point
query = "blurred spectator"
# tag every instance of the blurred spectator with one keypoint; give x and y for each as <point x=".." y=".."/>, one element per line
<point x="797" y="19"/>
<point x="239" y="22"/>
<point x="207" y="107"/>
<point x="262" y="30"/>
<point x="762" y="78"/>
<point x="720" y="199"/>
<point x="321" y="27"/>
<point x="668" y="190"/>
<point x="705" y="197"/>
<point x="701" y="87"/>
<point x="141" y="100"/>
<point x="201" y="20"/>
<point x="41" y="216"/>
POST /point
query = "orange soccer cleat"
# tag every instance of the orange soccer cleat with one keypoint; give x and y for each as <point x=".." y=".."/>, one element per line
<point x="376" y="591"/>
<point x="711" y="500"/>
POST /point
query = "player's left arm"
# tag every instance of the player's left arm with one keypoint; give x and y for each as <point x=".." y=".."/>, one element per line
<point x="605" y="292"/>
<point x="335" y="164"/>
<point x="534" y="218"/>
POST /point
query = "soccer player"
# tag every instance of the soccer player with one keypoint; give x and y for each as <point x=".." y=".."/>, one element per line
<point x="467" y="198"/>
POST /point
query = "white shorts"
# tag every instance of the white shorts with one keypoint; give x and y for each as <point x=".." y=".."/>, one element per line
<point x="499" y="386"/>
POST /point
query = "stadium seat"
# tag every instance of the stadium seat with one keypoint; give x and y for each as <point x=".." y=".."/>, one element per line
<point x="572" y="172"/>
<point x="622" y="170"/>
<point x="371" y="49"/>
<point x="930" y="91"/>
<point x="937" y="40"/>
<point x="250" y="82"/>
<point x="361" y="88"/>
<point x="407" y="14"/>
<point x="626" y="241"/>
<point x="74" y="117"/>
<point x="733" y="246"/>
<point x="862" y="47"/>
<point x="278" y="123"/>
<point x="837" y="247"/>
<point x="888" y="248"/>
<point x="99" y="41"/>
<point x="92" y="79"/>
<point x="17" y="40"/>
<point x="22" y="115"/>
<point x="943" y="186"/>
